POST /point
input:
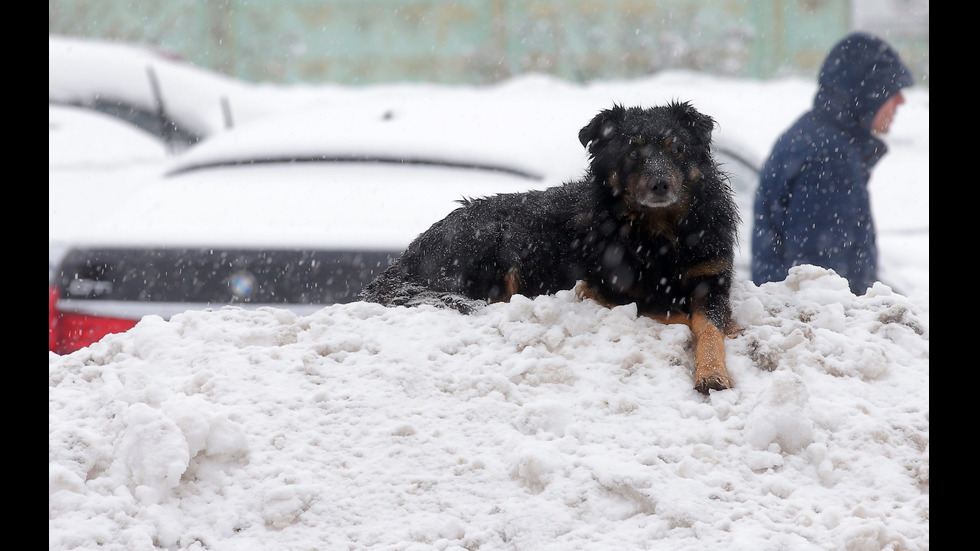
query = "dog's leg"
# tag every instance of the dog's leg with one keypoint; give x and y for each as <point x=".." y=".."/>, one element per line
<point x="709" y="355"/>
<point x="709" y="343"/>
<point x="668" y="319"/>
<point x="709" y="350"/>
<point x="511" y="286"/>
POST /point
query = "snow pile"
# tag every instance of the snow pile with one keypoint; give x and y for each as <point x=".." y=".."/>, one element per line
<point x="541" y="424"/>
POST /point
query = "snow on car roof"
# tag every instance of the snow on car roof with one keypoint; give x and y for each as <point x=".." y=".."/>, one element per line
<point x="544" y="145"/>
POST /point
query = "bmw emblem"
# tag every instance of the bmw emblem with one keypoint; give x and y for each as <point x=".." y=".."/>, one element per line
<point x="242" y="284"/>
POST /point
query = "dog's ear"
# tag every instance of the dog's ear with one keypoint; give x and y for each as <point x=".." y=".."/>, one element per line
<point x="602" y="125"/>
<point x="700" y="124"/>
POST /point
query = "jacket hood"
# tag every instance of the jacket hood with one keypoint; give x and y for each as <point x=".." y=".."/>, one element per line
<point x="858" y="76"/>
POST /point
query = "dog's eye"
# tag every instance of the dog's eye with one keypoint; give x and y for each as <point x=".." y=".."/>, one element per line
<point x="675" y="148"/>
<point x="633" y="154"/>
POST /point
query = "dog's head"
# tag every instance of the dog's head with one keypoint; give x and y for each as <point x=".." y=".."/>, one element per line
<point x="650" y="156"/>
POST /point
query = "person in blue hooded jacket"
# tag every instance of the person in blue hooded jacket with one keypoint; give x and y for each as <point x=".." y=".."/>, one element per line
<point x="812" y="204"/>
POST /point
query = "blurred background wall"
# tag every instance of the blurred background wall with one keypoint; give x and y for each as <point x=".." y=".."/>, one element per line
<point x="485" y="41"/>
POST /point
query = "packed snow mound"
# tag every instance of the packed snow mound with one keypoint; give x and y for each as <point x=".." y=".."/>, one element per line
<point x="544" y="424"/>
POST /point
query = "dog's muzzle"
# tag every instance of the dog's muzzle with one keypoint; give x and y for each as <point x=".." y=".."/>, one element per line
<point x="657" y="185"/>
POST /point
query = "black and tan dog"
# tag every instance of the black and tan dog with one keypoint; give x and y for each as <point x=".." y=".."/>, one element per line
<point x="652" y="222"/>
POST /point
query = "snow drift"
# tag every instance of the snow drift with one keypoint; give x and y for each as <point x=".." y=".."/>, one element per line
<point x="551" y="423"/>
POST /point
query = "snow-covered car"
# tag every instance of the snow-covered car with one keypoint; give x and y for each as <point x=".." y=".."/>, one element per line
<point x="298" y="211"/>
<point x="80" y="137"/>
<point x="157" y="92"/>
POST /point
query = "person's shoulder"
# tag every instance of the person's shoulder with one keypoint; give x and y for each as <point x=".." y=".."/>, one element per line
<point x="801" y="136"/>
<point x="819" y="135"/>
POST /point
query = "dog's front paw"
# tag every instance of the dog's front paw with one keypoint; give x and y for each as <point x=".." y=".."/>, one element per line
<point x="711" y="381"/>
<point x="734" y="330"/>
<point x="463" y="305"/>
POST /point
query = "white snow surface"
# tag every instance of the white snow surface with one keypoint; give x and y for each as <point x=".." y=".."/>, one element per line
<point x="551" y="423"/>
<point x="543" y="424"/>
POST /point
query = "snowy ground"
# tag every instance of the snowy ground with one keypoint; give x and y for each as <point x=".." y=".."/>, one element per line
<point x="541" y="424"/>
<point x="545" y="424"/>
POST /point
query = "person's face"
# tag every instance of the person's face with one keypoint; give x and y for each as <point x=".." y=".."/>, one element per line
<point x="885" y="115"/>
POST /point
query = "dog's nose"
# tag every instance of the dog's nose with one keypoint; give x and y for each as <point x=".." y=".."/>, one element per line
<point x="660" y="186"/>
